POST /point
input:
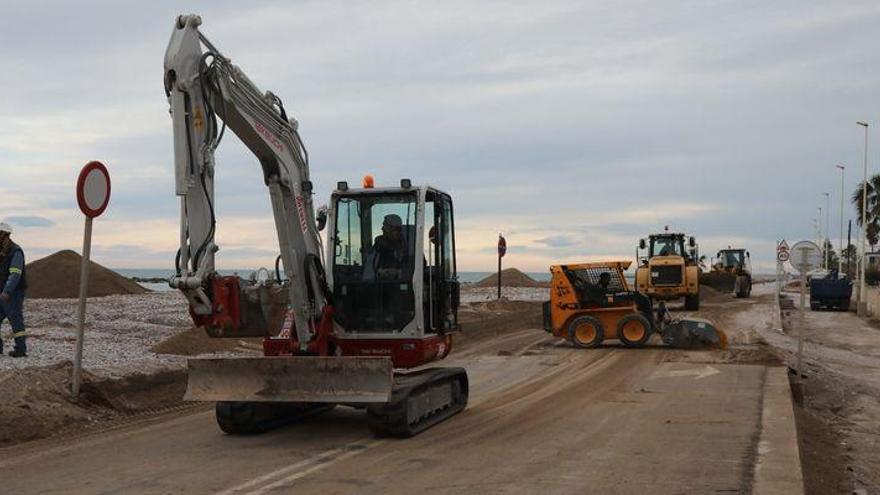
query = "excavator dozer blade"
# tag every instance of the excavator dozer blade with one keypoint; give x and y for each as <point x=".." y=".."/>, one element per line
<point x="694" y="333"/>
<point x="341" y="379"/>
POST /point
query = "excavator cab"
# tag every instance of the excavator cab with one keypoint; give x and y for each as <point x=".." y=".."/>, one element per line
<point x="392" y="258"/>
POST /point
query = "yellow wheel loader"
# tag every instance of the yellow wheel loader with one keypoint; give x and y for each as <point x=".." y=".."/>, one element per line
<point x="668" y="268"/>
<point x="731" y="272"/>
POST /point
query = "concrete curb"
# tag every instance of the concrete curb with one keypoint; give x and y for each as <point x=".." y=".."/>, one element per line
<point x="778" y="465"/>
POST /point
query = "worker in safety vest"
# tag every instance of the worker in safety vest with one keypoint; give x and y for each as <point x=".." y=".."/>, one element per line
<point x="12" y="287"/>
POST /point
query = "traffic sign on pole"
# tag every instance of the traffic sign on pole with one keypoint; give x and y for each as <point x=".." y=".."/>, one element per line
<point x="805" y="257"/>
<point x="502" y="250"/>
<point x="783" y="246"/>
<point x="93" y="196"/>
<point x="93" y="189"/>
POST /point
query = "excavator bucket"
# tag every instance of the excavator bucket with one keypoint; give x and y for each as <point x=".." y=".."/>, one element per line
<point x="694" y="333"/>
<point x="290" y="379"/>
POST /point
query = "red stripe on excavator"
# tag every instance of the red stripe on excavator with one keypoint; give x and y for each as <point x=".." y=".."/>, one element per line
<point x="404" y="353"/>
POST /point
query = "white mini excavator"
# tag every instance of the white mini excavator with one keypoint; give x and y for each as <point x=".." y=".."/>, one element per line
<point x="389" y="300"/>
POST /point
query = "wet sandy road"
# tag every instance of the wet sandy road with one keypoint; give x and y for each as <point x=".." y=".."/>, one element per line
<point x="542" y="418"/>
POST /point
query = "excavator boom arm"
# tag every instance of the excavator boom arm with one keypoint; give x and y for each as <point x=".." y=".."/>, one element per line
<point x="203" y="86"/>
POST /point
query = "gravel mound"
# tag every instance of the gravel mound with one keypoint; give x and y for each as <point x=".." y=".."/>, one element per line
<point x="510" y="277"/>
<point x="57" y="277"/>
<point x="119" y="332"/>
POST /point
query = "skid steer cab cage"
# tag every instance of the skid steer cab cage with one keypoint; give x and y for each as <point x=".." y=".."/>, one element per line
<point x="592" y="302"/>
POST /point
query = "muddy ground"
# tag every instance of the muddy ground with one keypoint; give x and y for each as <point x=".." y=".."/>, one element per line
<point x="35" y="401"/>
<point x="836" y="407"/>
<point x="543" y="417"/>
<point x="837" y="421"/>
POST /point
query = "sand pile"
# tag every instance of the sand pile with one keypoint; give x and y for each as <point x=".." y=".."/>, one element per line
<point x="481" y="321"/>
<point x="196" y="341"/>
<point x="510" y="277"/>
<point x="57" y="277"/>
<point x="36" y="403"/>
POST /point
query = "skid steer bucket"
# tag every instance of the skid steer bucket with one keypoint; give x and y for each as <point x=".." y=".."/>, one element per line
<point x="693" y="333"/>
<point x="290" y="379"/>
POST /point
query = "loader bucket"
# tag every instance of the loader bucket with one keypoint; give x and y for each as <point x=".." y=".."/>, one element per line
<point x="694" y="333"/>
<point x="290" y="379"/>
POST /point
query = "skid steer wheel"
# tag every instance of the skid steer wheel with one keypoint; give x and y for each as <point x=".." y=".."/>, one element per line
<point x="692" y="303"/>
<point x="634" y="330"/>
<point x="586" y="331"/>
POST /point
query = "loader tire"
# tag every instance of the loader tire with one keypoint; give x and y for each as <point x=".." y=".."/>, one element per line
<point x="586" y="332"/>
<point x="692" y="303"/>
<point x="634" y="330"/>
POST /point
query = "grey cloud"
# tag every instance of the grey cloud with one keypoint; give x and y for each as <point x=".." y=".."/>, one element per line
<point x="556" y="109"/>
<point x="559" y="241"/>
<point x="29" y="221"/>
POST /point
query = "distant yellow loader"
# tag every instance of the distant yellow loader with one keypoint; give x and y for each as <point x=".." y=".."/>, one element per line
<point x="669" y="270"/>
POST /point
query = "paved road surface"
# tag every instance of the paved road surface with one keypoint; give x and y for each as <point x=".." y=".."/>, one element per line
<point x="543" y="418"/>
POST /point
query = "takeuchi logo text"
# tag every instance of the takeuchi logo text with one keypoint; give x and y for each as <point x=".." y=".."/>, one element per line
<point x="268" y="136"/>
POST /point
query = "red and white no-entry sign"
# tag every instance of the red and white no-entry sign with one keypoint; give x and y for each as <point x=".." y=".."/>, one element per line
<point x="92" y="195"/>
<point x="93" y="189"/>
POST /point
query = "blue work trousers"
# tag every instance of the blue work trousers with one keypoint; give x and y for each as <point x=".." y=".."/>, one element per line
<point x="13" y="310"/>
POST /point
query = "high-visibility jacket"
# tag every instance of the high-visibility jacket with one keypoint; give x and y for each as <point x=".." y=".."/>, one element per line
<point x="12" y="271"/>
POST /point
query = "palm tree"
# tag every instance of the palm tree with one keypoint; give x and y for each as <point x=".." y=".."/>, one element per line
<point x="872" y="234"/>
<point x="872" y="216"/>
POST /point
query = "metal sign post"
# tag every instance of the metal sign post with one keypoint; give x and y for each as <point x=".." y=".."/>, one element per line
<point x="805" y="257"/>
<point x="502" y="250"/>
<point x="782" y="255"/>
<point x="92" y="195"/>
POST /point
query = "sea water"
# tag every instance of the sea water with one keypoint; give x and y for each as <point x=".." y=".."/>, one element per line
<point x="463" y="277"/>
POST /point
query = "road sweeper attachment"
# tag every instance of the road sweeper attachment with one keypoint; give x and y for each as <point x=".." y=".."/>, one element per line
<point x="688" y="333"/>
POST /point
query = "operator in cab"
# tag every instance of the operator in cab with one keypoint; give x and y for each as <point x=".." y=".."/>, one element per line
<point x="390" y="248"/>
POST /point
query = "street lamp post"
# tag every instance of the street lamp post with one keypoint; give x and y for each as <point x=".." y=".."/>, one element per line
<point x="840" y="244"/>
<point x="819" y="226"/>
<point x="862" y="305"/>
<point x="826" y="246"/>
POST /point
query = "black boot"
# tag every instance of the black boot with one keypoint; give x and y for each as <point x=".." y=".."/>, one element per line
<point x="20" y="349"/>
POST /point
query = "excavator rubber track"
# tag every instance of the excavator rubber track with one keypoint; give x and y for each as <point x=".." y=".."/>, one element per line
<point x="419" y="401"/>
<point x="251" y="418"/>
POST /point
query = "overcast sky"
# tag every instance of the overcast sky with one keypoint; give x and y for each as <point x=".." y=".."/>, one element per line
<point x="573" y="127"/>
